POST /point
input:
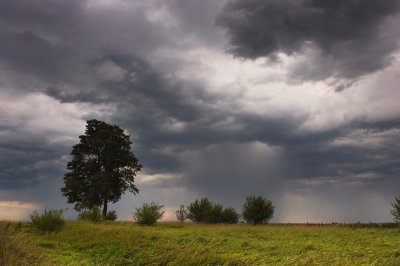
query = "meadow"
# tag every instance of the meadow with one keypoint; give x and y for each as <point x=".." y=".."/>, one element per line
<point x="126" y="243"/>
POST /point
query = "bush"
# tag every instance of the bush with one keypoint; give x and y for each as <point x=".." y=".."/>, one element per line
<point x="257" y="210"/>
<point x="230" y="216"/>
<point x="181" y="213"/>
<point x="206" y="211"/>
<point x="214" y="214"/>
<point x="111" y="216"/>
<point x="396" y="210"/>
<point x="49" y="221"/>
<point x="199" y="210"/>
<point x="148" y="214"/>
<point x="94" y="215"/>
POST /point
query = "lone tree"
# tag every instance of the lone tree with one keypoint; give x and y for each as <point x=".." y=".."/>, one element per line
<point x="396" y="210"/>
<point x="257" y="210"/>
<point x="102" y="168"/>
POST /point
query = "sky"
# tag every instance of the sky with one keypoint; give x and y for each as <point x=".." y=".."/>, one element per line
<point x="293" y="100"/>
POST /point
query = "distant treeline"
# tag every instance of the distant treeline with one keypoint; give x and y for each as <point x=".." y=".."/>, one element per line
<point x="350" y="225"/>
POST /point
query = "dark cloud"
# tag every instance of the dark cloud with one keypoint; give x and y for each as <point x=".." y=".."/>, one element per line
<point x="56" y="43"/>
<point x="118" y="56"/>
<point x="341" y="39"/>
<point x="27" y="159"/>
<point x="89" y="55"/>
<point x="86" y="55"/>
<point x="28" y="53"/>
<point x="197" y="20"/>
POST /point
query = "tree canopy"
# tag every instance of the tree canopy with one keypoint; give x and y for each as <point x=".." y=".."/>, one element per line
<point x="396" y="209"/>
<point x="257" y="210"/>
<point x="206" y="211"/>
<point x="102" y="168"/>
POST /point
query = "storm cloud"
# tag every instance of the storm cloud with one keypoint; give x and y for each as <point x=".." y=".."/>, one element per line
<point x="205" y="123"/>
<point x="341" y="39"/>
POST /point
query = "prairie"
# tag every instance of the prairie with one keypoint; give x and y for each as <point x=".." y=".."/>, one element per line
<point x="125" y="243"/>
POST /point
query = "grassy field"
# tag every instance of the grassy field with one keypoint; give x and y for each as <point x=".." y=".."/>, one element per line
<point x="119" y="243"/>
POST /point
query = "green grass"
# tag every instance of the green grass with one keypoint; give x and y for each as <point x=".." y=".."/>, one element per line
<point x="123" y="243"/>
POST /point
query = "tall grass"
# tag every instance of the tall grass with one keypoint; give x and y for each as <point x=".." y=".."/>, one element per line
<point x="48" y="221"/>
<point x="125" y="243"/>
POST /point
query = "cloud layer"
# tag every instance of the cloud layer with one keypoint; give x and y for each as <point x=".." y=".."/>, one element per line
<point x="205" y="123"/>
<point x="341" y="39"/>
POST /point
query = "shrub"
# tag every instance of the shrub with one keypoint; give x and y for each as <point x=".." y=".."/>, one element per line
<point x="94" y="215"/>
<point x="49" y="221"/>
<point x="396" y="210"/>
<point x="230" y="216"/>
<point x="206" y="211"/>
<point x="199" y="210"/>
<point x="214" y="214"/>
<point x="148" y="214"/>
<point x="181" y="213"/>
<point x="257" y="210"/>
<point x="111" y="216"/>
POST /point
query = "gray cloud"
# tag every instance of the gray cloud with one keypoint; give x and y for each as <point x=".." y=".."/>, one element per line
<point x="86" y="55"/>
<point x="197" y="20"/>
<point x="118" y="63"/>
<point x="341" y="39"/>
<point x="27" y="159"/>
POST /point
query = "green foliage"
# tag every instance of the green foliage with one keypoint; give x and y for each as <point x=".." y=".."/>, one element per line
<point x="396" y="210"/>
<point x="94" y="215"/>
<point x="205" y="211"/>
<point x="111" y="216"/>
<point x="49" y="221"/>
<point x="199" y="210"/>
<point x="181" y="213"/>
<point x="122" y="243"/>
<point x="102" y="167"/>
<point x="148" y="214"/>
<point x="229" y="216"/>
<point x="214" y="214"/>
<point x="257" y="210"/>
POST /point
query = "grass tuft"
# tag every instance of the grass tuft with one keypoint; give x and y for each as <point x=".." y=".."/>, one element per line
<point x="46" y="222"/>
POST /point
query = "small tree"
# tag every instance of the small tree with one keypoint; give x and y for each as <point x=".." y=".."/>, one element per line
<point x="148" y="214"/>
<point x="181" y="213"/>
<point x="102" y="168"/>
<point x="198" y="210"/>
<point x="257" y="210"/>
<point x="214" y="214"/>
<point x="229" y="216"/>
<point x="396" y="211"/>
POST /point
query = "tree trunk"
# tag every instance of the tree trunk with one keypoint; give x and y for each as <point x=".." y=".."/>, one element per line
<point x="105" y="208"/>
